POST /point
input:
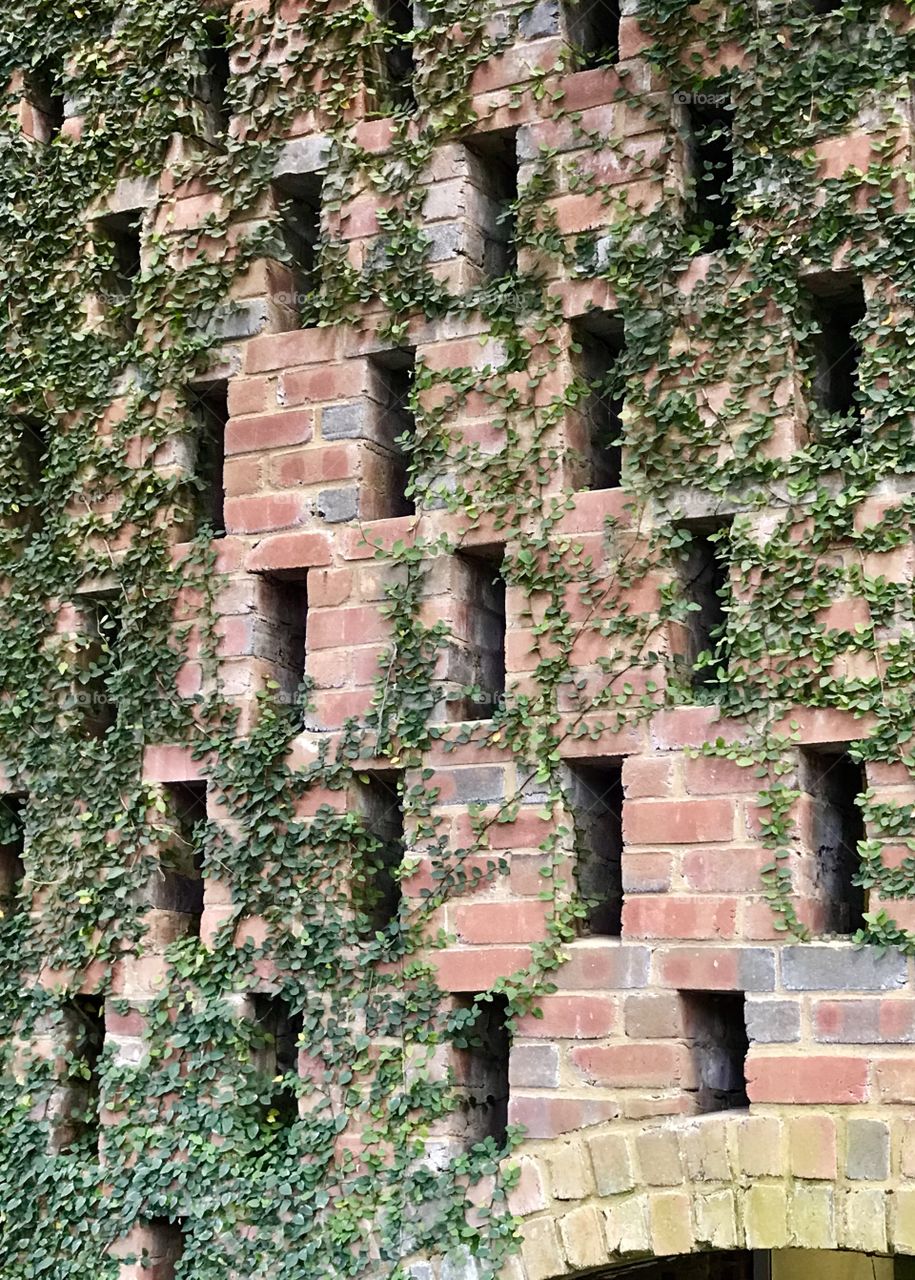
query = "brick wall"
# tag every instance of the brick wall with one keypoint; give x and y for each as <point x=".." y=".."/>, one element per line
<point x="679" y="998"/>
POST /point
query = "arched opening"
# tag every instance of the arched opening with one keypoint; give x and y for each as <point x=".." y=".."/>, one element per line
<point x="763" y="1264"/>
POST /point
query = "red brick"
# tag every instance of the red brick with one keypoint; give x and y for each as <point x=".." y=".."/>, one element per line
<point x="269" y="431"/>
<point x="549" y="1117"/>
<point x="824" y="726"/>
<point x="526" y="831"/>
<point x="712" y="776"/>
<point x="289" y="551"/>
<point x="700" y="969"/>
<point x="322" y="465"/>
<point x="477" y="968"/>
<point x="526" y="878"/>
<point x="894" y="1079"/>
<point x="604" y="965"/>
<point x="331" y="628"/>
<point x="250" y="395"/>
<point x="654" y="1015"/>
<point x="270" y="511"/>
<point x="647" y="776"/>
<point x="568" y="1017"/>
<point x="364" y="543"/>
<point x="327" y="587"/>
<point x="813" y="1146"/>
<point x="647" y="872"/>
<point x="501" y="921"/>
<point x="666" y="917"/>
<point x="806" y="1079"/>
<point x="241" y="475"/>
<point x="296" y="346"/>
<point x="324" y="384"/>
<point x="725" y="870"/>
<point x="653" y="1066"/>
<point x="171" y="763"/>
<point x="671" y="822"/>
<point x="685" y="727"/>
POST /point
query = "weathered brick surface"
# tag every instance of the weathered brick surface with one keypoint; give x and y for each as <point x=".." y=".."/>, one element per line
<point x="610" y="1081"/>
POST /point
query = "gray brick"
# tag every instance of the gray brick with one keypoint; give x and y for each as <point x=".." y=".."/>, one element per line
<point x="133" y="193"/>
<point x="302" y="155"/>
<point x="338" y="504"/>
<point x="349" y="421"/>
<point x="445" y="241"/>
<point x="868" y="1150"/>
<point x="842" y="967"/>
<point x="756" y="969"/>
<point x="238" y="320"/>
<point x="460" y="1265"/>
<point x="773" y="1021"/>
<point x="534" y="1066"/>
<point x="477" y="783"/>
<point x="542" y="20"/>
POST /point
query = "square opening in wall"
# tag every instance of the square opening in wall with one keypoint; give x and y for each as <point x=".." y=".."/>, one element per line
<point x="84" y="1020"/>
<point x="710" y="124"/>
<point x="596" y="799"/>
<point x="494" y="176"/>
<point x="43" y="90"/>
<point x="182" y="860"/>
<point x="398" y="66"/>
<point x="277" y="1053"/>
<point x="215" y="85"/>
<point x="391" y="378"/>
<point x="102" y="625"/>
<point x="282" y="607"/>
<point x="298" y="201"/>
<point x="483" y="1043"/>
<point x="12" y="849"/>
<point x="599" y="337"/>
<point x="379" y="852"/>
<point x="716" y="1031"/>
<point x="838" y="306"/>
<point x="163" y="1246"/>
<point x="481" y="600"/>
<point x="117" y="239"/>
<point x="209" y="406"/>
<point x="32" y="447"/>
<point x="835" y="782"/>
<point x="593" y="31"/>
<point x="705" y="576"/>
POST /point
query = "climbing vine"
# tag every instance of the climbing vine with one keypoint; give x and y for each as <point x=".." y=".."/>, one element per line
<point x="350" y="1182"/>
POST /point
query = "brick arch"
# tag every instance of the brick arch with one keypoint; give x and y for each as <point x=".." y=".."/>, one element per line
<point x="814" y="1179"/>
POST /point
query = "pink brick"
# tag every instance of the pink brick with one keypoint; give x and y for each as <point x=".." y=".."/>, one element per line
<point x="678" y="821"/>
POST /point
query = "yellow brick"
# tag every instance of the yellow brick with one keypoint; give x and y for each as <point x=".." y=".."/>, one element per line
<point x="766" y="1217"/>
<point x="812" y="1217"/>
<point x="570" y="1172"/>
<point x="671" y="1229"/>
<point x="716" y="1224"/>
<point x="864" y="1220"/>
<point x="904" y="1220"/>
<point x="627" y="1226"/>
<point x="583" y="1238"/>
<point x="612" y="1164"/>
<point x="540" y="1250"/>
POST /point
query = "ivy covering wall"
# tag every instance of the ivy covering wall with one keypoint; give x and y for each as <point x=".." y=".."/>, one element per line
<point x="190" y="1131"/>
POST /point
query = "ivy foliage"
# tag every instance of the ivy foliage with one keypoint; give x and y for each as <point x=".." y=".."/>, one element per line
<point x="346" y="1179"/>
